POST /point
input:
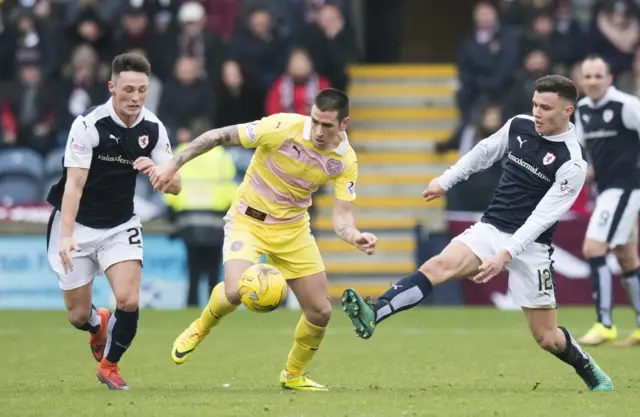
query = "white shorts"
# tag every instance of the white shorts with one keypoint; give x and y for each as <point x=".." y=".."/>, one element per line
<point x="531" y="275"/>
<point x="99" y="249"/>
<point x="615" y="217"/>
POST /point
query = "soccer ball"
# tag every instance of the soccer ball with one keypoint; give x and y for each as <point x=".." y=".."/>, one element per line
<point x="262" y="288"/>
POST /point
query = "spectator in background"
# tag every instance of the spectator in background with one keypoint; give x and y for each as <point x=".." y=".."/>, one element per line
<point x="332" y="45"/>
<point x="222" y="16"/>
<point x="27" y="112"/>
<point x="242" y="101"/>
<point x="487" y="60"/>
<point x="186" y="99"/>
<point x="194" y="40"/>
<point x="294" y="91"/>
<point x="89" y="28"/>
<point x="34" y="41"/>
<point x="518" y="100"/>
<point x="615" y="35"/>
<point x="259" y="49"/>
<point x="136" y="32"/>
<point x="629" y="81"/>
<point x="564" y="48"/>
<point x="7" y="52"/>
<point x="568" y="38"/>
<point x="79" y="89"/>
<point x="475" y="194"/>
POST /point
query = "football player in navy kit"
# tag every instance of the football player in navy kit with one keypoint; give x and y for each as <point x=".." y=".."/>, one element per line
<point x="608" y="124"/>
<point x="541" y="178"/>
<point x="93" y="228"/>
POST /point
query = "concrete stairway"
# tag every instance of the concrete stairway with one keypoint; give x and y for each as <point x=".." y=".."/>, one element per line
<point x="397" y="114"/>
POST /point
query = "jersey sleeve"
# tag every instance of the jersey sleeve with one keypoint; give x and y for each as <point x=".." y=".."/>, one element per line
<point x="480" y="157"/>
<point x="344" y="185"/>
<point x="162" y="151"/>
<point x="570" y="179"/>
<point x="631" y="114"/>
<point x="268" y="132"/>
<point x="80" y="143"/>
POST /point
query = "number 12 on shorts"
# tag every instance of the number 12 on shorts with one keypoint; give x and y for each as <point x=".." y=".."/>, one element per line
<point x="545" y="281"/>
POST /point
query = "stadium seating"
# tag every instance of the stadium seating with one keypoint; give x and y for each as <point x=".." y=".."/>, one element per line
<point x="21" y="175"/>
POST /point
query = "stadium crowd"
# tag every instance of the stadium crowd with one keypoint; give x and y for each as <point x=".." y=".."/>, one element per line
<point x="214" y="63"/>
<point x="519" y="41"/>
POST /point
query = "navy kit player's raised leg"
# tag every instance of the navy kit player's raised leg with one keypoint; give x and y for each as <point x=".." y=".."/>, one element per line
<point x="608" y="123"/>
<point x="93" y="228"/>
<point x="543" y="174"/>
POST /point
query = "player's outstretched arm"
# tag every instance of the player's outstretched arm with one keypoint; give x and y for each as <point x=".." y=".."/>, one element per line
<point x="226" y="136"/>
<point x="570" y="179"/>
<point x="345" y="227"/>
<point x="487" y="152"/>
<point x="165" y="172"/>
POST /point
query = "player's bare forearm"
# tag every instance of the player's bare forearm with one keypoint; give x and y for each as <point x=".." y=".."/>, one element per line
<point x="225" y="136"/>
<point x="343" y="222"/>
<point x="76" y="179"/>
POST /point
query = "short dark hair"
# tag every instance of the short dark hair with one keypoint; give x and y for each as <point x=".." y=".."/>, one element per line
<point x="331" y="99"/>
<point x="130" y="61"/>
<point x="595" y="57"/>
<point x="558" y="84"/>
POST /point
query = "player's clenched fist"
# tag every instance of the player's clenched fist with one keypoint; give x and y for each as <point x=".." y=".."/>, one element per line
<point x="163" y="174"/>
<point x="366" y="242"/>
<point x="433" y="191"/>
<point x="67" y="244"/>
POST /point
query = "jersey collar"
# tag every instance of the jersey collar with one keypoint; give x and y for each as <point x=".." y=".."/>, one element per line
<point x="562" y="137"/>
<point x="340" y="150"/>
<point x="116" y="118"/>
<point x="611" y="91"/>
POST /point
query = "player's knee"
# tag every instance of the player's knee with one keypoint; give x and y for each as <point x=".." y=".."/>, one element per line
<point x="231" y="292"/>
<point x="547" y="340"/>
<point x="78" y="317"/>
<point x="593" y="249"/>
<point x="628" y="259"/>
<point x="130" y="302"/>
<point x="319" y="315"/>
<point x="439" y="269"/>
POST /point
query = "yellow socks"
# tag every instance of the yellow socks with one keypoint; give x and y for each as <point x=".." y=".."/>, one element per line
<point x="217" y="308"/>
<point x="307" y="339"/>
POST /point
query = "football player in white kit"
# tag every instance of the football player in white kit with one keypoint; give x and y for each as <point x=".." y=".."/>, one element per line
<point x="608" y="124"/>
<point x="93" y="228"/>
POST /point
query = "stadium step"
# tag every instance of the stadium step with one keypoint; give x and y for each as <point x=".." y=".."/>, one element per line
<point x="402" y="96"/>
<point x="383" y="202"/>
<point x="363" y="265"/>
<point x="397" y="243"/>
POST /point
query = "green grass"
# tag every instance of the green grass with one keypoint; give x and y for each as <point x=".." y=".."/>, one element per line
<point x="426" y="362"/>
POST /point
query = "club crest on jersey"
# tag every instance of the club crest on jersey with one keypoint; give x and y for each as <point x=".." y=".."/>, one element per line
<point x="143" y="141"/>
<point x="334" y="166"/>
<point x="548" y="158"/>
<point x="607" y="115"/>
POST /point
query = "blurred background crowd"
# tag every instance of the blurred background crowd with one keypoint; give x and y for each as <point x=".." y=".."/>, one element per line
<point x="512" y="46"/>
<point x="222" y="62"/>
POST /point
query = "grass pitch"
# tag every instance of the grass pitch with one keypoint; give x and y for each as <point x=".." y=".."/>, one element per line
<point x="426" y="362"/>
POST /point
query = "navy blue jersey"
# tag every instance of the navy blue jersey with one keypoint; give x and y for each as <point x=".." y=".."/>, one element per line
<point x="609" y="131"/>
<point x="540" y="179"/>
<point x="100" y="142"/>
